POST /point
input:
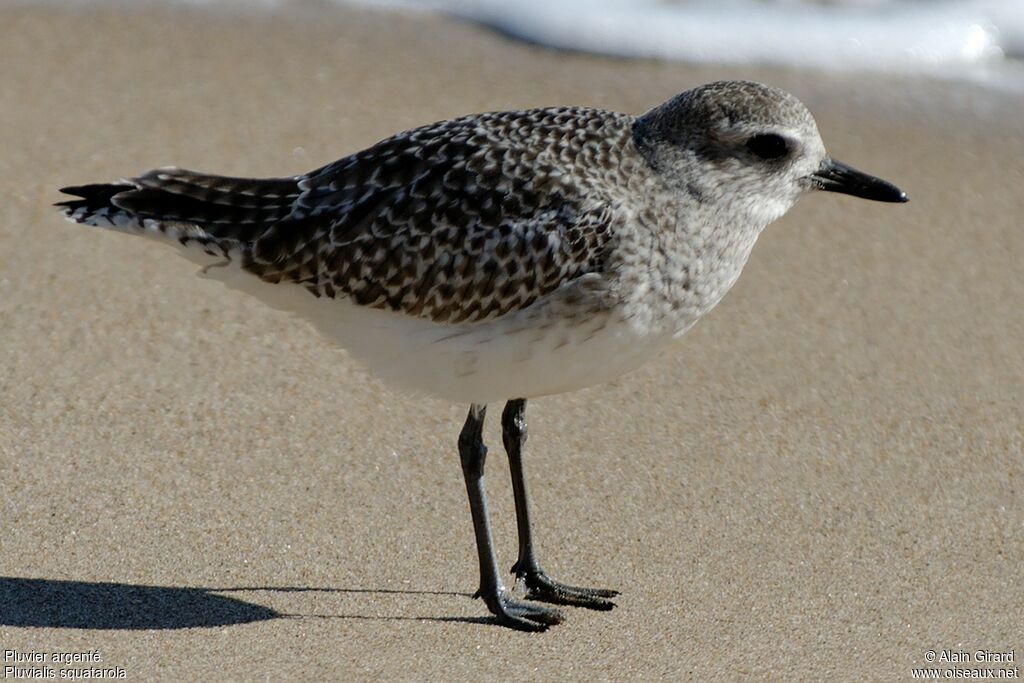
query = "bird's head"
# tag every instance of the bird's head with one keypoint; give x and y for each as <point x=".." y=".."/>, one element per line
<point x="747" y="146"/>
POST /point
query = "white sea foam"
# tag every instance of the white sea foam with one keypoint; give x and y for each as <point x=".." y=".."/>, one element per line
<point x="978" y="39"/>
<point x="981" y="39"/>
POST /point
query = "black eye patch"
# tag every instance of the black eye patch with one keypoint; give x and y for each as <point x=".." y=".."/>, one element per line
<point x="767" y="146"/>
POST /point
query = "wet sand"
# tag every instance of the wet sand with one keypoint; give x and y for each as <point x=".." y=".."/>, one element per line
<point x="823" y="479"/>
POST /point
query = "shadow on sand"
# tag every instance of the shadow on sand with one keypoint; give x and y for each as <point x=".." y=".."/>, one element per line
<point x="46" y="603"/>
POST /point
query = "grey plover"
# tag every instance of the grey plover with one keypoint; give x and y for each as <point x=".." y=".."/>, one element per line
<point x="504" y="256"/>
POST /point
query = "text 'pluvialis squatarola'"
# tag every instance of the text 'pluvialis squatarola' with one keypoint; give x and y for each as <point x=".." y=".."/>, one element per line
<point x="504" y="256"/>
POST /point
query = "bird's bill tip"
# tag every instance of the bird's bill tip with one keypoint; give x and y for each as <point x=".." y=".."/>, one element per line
<point x="835" y="176"/>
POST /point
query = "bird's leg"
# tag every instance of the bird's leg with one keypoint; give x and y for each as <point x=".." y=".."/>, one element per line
<point x="540" y="585"/>
<point x="509" y="612"/>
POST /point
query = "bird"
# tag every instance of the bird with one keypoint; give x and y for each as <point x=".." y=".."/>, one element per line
<point x="504" y="256"/>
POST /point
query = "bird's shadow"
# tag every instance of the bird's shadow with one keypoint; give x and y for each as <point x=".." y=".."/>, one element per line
<point x="47" y="603"/>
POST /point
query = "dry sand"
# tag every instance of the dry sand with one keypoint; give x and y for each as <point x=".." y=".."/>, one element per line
<point x="821" y="480"/>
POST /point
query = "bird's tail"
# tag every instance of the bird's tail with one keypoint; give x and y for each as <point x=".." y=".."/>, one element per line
<point x="94" y="206"/>
<point x="213" y="212"/>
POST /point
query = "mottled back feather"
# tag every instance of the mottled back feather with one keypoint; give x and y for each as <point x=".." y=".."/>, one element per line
<point x="458" y="221"/>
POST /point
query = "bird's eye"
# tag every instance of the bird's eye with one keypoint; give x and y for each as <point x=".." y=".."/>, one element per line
<point x="767" y="146"/>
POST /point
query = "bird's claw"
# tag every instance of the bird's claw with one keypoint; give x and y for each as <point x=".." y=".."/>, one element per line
<point x="520" y="615"/>
<point x="542" y="587"/>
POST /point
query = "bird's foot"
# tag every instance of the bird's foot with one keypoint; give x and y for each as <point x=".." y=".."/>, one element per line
<point x="521" y="616"/>
<point x="543" y="587"/>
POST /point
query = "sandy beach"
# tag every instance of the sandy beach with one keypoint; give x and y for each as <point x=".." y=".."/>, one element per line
<point x="822" y="480"/>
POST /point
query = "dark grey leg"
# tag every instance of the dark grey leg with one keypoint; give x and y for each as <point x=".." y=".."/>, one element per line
<point x="542" y="587"/>
<point x="509" y="612"/>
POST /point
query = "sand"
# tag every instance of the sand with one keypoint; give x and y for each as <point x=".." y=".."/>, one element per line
<point x="822" y="480"/>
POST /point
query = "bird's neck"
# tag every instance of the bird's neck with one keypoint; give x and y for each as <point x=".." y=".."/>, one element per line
<point x="680" y="261"/>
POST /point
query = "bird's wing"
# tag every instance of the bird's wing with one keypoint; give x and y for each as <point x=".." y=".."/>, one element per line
<point x="458" y="222"/>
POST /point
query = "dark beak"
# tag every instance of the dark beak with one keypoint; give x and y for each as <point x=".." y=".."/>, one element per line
<point x="835" y="176"/>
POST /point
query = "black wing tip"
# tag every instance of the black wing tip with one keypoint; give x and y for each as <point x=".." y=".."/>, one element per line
<point x="79" y="191"/>
<point x="92" y="194"/>
<point x="93" y="189"/>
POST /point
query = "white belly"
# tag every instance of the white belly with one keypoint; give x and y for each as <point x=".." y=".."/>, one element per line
<point x="544" y="349"/>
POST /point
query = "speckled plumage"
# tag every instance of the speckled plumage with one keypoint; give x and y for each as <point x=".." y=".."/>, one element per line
<point x="548" y="249"/>
<point x="462" y="220"/>
<point x="505" y="255"/>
